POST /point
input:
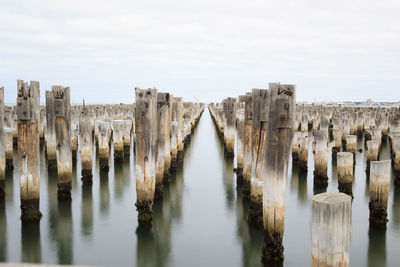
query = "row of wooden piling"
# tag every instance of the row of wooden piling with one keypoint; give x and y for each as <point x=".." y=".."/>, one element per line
<point x="265" y="127"/>
<point x="336" y="128"/>
<point x="159" y="124"/>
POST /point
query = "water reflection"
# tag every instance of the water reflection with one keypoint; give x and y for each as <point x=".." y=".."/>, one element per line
<point x="30" y="239"/>
<point x="251" y="238"/>
<point x="299" y="181"/>
<point x="376" y="247"/>
<point x="145" y="251"/>
<point x="229" y="182"/>
<point x="104" y="194"/>
<point x="3" y="231"/>
<point x="64" y="232"/>
<point x="87" y="210"/>
<point x="162" y="231"/>
<point x="9" y="186"/>
<point x="118" y="180"/>
<point x="396" y="208"/>
<point x="176" y="194"/>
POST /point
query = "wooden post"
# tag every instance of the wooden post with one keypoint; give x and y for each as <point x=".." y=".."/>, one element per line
<point x="351" y="143"/>
<point x="118" y="140"/>
<point x="51" y="142"/>
<point x="345" y="172"/>
<point x="296" y="148"/>
<point x="8" y="141"/>
<point x="28" y="150"/>
<point x="167" y="166"/>
<point x="162" y="112"/>
<point x="74" y="140"/>
<point x="320" y="158"/>
<point x="62" y="109"/>
<point x="2" y="146"/>
<point x="127" y="138"/>
<point x="303" y="153"/>
<point x="247" y="146"/>
<point x="260" y="98"/>
<point x="304" y="123"/>
<point x="240" y="146"/>
<point x="145" y="152"/>
<point x="379" y="181"/>
<point x="280" y="130"/>
<point x="104" y="145"/>
<point x="86" y="146"/>
<point x="396" y="158"/>
<point x="178" y="108"/>
<point x="229" y="108"/>
<point x="372" y="154"/>
<point x="337" y="141"/>
<point x="331" y="230"/>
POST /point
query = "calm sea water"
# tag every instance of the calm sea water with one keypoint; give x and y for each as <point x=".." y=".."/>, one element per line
<point x="200" y="222"/>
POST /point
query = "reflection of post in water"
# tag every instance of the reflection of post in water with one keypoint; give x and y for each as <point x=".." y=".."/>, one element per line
<point x="229" y="179"/>
<point x="87" y="210"/>
<point x="30" y="238"/>
<point x="162" y="229"/>
<point x="145" y="251"/>
<point x="118" y="180"/>
<point x="64" y="233"/>
<point x="3" y="231"/>
<point x="396" y="208"/>
<point x="104" y="193"/>
<point x="299" y="180"/>
<point x="176" y="193"/>
<point x="10" y="186"/>
<point x="376" y="247"/>
<point x="252" y="238"/>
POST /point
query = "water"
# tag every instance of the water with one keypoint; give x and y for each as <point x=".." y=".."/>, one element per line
<point x="201" y="221"/>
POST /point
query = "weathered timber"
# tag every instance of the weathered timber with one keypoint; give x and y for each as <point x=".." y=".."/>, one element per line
<point x="86" y="146"/>
<point x="280" y="130"/>
<point x="51" y="142"/>
<point x="331" y="230"/>
<point x="345" y="165"/>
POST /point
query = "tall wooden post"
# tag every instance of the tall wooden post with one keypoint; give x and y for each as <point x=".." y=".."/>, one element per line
<point x="240" y="146"/>
<point x="51" y="142"/>
<point x="247" y="146"/>
<point x="127" y="138"/>
<point x="86" y="145"/>
<point x="162" y="112"/>
<point x="396" y="158"/>
<point x="28" y="149"/>
<point x="320" y="158"/>
<point x="167" y="167"/>
<point x="2" y="145"/>
<point x="337" y="141"/>
<point x="282" y="106"/>
<point x="303" y="153"/>
<point x="229" y="108"/>
<point x="178" y="109"/>
<point x="62" y="109"/>
<point x="345" y="172"/>
<point x="104" y="145"/>
<point x="260" y="98"/>
<point x="379" y="181"/>
<point x="331" y="230"/>
<point x="146" y="151"/>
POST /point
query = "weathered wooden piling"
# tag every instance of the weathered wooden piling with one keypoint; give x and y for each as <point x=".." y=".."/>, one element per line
<point x="162" y="112"/>
<point x="303" y="153"/>
<point x="337" y="140"/>
<point x="331" y="230"/>
<point x="168" y="136"/>
<point x="28" y="149"/>
<point x="51" y="142"/>
<point x="74" y="140"/>
<point x="396" y="157"/>
<point x="8" y="145"/>
<point x="127" y="138"/>
<point x="2" y="146"/>
<point x="104" y="145"/>
<point x="296" y="147"/>
<point x="345" y="165"/>
<point x="240" y="145"/>
<point x="86" y="146"/>
<point x="304" y="123"/>
<point x="260" y="98"/>
<point x="281" y="114"/>
<point x="229" y="108"/>
<point x="379" y="181"/>
<point x="177" y="110"/>
<point x="62" y="108"/>
<point x="372" y="154"/>
<point x="145" y="152"/>
<point x="320" y="158"/>
<point x="351" y="143"/>
<point x="248" y="151"/>
<point x="118" y="140"/>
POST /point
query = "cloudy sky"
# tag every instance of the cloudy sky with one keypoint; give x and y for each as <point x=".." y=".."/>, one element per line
<point x="207" y="50"/>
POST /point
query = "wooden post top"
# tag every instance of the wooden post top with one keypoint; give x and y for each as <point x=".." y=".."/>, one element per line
<point x="331" y="198"/>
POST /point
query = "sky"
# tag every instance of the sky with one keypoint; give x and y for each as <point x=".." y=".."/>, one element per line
<point x="207" y="50"/>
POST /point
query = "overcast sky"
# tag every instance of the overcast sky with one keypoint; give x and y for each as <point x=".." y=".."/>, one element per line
<point x="206" y="49"/>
